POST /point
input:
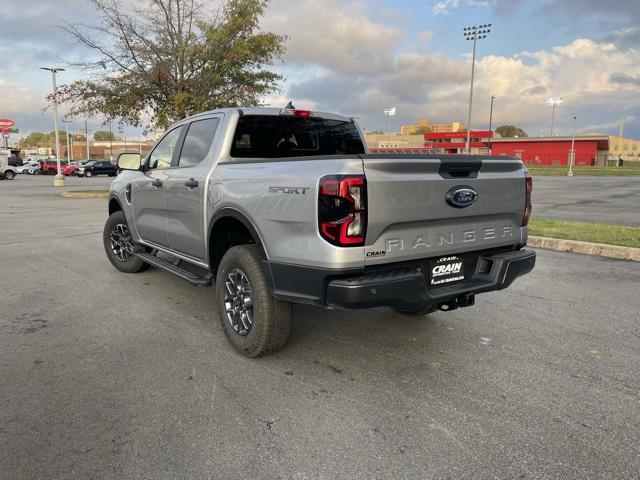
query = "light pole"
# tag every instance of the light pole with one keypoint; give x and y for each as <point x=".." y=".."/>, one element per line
<point x="490" y="123"/>
<point x="67" y="122"/>
<point x="58" y="181"/>
<point x="86" y="137"/>
<point x="475" y="33"/>
<point x="572" y="155"/>
<point x="110" y="143"/>
<point x="553" y="102"/>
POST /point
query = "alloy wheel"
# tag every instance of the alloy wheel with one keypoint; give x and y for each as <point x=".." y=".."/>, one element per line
<point x="238" y="303"/>
<point x="121" y="243"/>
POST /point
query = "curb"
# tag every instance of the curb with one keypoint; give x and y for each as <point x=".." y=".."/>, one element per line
<point x="574" y="246"/>
<point x="85" y="193"/>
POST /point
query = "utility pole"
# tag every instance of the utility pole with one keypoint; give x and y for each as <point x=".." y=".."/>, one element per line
<point x="572" y="155"/>
<point x="490" y="123"/>
<point x="58" y="180"/>
<point x="475" y="33"/>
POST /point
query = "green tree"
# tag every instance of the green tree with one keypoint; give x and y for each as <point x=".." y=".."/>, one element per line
<point x="37" y="139"/>
<point x="104" y="136"/>
<point x="511" y="131"/>
<point x="171" y="59"/>
<point x="62" y="137"/>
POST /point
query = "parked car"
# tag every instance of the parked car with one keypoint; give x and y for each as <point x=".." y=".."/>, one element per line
<point x="50" y="166"/>
<point x="7" y="172"/>
<point x="15" y="161"/>
<point x="28" y="168"/>
<point x="97" y="167"/>
<point x="283" y="206"/>
<point x="71" y="169"/>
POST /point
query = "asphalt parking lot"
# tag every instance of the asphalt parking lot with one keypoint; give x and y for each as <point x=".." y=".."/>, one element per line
<point x="588" y="199"/>
<point x="107" y="375"/>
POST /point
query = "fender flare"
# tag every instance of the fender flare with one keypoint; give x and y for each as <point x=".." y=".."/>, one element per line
<point x="242" y="218"/>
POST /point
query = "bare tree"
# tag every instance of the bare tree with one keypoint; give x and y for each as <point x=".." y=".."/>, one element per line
<point x="170" y="59"/>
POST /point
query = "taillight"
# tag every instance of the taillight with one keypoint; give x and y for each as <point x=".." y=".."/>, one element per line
<point x="528" y="187"/>
<point x="295" y="112"/>
<point x="342" y="209"/>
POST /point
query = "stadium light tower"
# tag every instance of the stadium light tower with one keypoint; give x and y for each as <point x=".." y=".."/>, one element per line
<point x="389" y="112"/>
<point x="58" y="180"/>
<point x="553" y="102"/>
<point x="473" y="33"/>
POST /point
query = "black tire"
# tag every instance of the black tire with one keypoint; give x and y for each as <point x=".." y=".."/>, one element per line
<point x="419" y="312"/>
<point x="271" y="318"/>
<point x="127" y="263"/>
<point x="88" y="174"/>
<point x="8" y="175"/>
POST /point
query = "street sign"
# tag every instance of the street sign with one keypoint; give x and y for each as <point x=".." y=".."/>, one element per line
<point x="5" y="123"/>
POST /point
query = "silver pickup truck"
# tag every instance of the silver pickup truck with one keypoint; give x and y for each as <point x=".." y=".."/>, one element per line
<point x="284" y="205"/>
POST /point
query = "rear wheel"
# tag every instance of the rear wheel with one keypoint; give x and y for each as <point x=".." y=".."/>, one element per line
<point x="119" y="245"/>
<point x="8" y="175"/>
<point x="419" y="312"/>
<point x="254" y="322"/>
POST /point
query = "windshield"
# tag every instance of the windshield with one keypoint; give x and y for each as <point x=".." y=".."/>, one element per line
<point x="271" y="136"/>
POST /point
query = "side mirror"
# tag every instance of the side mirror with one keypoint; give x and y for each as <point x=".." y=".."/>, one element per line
<point x="129" y="161"/>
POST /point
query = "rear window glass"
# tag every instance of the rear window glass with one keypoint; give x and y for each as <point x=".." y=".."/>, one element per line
<point x="272" y="136"/>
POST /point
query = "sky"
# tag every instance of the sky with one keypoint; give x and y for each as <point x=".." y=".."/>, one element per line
<point x="358" y="58"/>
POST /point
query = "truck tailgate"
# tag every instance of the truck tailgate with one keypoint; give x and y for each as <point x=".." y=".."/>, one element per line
<point x="409" y="216"/>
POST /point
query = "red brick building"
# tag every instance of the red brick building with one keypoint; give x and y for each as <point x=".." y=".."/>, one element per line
<point x="589" y="150"/>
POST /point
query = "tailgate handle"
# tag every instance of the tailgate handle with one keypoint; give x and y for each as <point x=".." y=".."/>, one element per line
<point x="460" y="170"/>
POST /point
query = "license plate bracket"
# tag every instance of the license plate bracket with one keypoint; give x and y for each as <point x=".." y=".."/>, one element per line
<point x="446" y="270"/>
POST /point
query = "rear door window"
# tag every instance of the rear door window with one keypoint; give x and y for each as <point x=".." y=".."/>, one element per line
<point x="273" y="136"/>
<point x="197" y="142"/>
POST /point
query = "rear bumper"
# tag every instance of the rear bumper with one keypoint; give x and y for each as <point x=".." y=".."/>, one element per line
<point x="402" y="286"/>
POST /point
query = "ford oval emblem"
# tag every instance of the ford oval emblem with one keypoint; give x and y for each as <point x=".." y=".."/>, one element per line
<point x="461" y="196"/>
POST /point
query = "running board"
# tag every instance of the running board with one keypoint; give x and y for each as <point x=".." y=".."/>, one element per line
<point x="190" y="277"/>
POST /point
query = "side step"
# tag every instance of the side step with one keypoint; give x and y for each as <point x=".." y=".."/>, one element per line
<point x="190" y="277"/>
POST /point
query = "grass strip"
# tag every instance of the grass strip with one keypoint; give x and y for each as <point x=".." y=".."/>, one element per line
<point x="622" y="235"/>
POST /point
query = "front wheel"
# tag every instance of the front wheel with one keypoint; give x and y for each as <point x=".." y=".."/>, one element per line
<point x="254" y="322"/>
<point x="119" y="245"/>
<point x="8" y="175"/>
<point x="88" y="174"/>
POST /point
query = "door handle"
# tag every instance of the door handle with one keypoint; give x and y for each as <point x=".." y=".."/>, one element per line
<point x="191" y="183"/>
<point x="157" y="182"/>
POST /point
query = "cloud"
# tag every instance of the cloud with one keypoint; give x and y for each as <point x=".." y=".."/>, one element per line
<point x="425" y="36"/>
<point x="626" y="37"/>
<point x="506" y="7"/>
<point x="623" y="9"/>
<point x="624" y="79"/>
<point x="31" y="28"/>
<point x="437" y="86"/>
<point x="338" y="36"/>
<point x="443" y="7"/>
